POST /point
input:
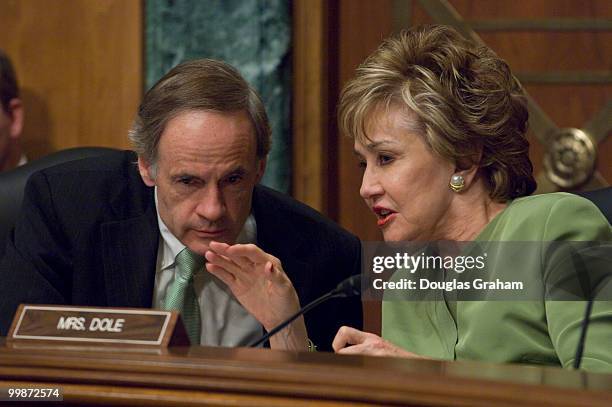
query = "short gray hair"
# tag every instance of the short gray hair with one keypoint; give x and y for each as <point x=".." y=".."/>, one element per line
<point x="201" y="84"/>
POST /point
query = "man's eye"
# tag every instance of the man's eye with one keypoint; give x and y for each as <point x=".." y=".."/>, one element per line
<point x="234" y="179"/>
<point x="185" y="180"/>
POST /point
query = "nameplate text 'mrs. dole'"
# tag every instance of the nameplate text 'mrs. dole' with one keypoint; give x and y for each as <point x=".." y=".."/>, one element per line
<point x="96" y="326"/>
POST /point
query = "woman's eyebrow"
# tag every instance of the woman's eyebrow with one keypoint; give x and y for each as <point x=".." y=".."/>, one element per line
<point x="375" y="144"/>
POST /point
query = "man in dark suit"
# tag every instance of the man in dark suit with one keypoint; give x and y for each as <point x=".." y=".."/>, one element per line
<point x="116" y="230"/>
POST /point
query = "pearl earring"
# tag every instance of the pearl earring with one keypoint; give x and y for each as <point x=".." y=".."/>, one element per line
<point x="457" y="182"/>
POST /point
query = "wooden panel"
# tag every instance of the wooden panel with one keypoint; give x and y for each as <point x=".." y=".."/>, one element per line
<point x="240" y="376"/>
<point x="363" y="25"/>
<point x="79" y="64"/>
<point x="311" y="115"/>
<point x="572" y="106"/>
<point x="534" y="51"/>
<point x="483" y="9"/>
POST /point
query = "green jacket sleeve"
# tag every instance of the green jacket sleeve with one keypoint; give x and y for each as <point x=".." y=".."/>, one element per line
<point x="586" y="247"/>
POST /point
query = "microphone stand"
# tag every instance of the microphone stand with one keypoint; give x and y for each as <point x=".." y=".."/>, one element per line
<point x="349" y="287"/>
<point x="583" y="332"/>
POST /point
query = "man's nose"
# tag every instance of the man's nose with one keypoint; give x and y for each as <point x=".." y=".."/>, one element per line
<point x="211" y="204"/>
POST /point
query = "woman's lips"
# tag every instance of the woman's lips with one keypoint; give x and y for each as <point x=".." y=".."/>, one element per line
<point x="384" y="220"/>
<point x="384" y="215"/>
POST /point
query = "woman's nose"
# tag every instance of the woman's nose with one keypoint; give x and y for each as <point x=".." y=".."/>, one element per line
<point x="370" y="185"/>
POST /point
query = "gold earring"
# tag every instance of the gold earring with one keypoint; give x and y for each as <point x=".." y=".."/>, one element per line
<point x="457" y="182"/>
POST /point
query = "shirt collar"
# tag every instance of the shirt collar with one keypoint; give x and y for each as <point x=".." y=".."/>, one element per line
<point x="171" y="246"/>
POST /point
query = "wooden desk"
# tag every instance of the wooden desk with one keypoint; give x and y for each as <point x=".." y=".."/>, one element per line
<point x="259" y="377"/>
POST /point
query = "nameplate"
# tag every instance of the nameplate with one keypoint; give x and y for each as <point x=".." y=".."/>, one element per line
<point x="97" y="326"/>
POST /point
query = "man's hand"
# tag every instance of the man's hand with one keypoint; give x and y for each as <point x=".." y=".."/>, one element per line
<point x="259" y="283"/>
<point x="364" y="343"/>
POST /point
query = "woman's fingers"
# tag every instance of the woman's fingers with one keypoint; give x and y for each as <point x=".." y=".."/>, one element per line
<point x="348" y="336"/>
<point x="353" y="350"/>
<point x="351" y="341"/>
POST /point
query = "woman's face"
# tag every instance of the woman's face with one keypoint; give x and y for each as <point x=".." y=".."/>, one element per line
<point x="404" y="183"/>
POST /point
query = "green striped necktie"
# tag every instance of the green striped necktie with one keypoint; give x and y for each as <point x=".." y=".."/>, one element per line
<point x="181" y="294"/>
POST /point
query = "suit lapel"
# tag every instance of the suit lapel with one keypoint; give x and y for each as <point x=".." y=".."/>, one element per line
<point x="281" y="239"/>
<point x="130" y="255"/>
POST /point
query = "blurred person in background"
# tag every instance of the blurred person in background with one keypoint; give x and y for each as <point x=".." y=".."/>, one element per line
<point x="11" y="117"/>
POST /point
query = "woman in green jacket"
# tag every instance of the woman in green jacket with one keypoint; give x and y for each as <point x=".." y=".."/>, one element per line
<point x="439" y="127"/>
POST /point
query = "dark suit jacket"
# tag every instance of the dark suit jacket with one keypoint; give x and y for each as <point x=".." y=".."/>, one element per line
<point x="88" y="235"/>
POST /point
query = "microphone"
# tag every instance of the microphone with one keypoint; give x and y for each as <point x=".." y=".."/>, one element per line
<point x="583" y="331"/>
<point x="349" y="287"/>
<point x="588" y="281"/>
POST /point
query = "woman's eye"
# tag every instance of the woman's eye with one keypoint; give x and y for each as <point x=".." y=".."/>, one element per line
<point x="384" y="159"/>
<point x="362" y="165"/>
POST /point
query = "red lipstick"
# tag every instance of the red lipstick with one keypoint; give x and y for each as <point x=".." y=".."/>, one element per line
<point x="384" y="215"/>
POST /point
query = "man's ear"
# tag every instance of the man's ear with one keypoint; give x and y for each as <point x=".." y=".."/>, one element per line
<point x="261" y="168"/>
<point x="146" y="172"/>
<point x="16" y="114"/>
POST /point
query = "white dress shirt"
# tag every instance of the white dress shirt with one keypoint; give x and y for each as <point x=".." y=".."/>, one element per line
<point x="224" y="321"/>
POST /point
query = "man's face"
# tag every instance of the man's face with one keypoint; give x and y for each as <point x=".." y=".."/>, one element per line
<point x="206" y="170"/>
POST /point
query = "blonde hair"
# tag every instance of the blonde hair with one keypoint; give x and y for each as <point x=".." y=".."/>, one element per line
<point x="469" y="106"/>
